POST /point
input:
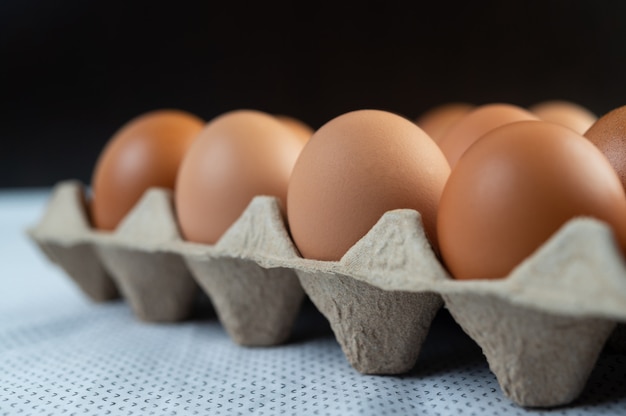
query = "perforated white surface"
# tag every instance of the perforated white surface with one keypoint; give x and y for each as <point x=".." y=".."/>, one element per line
<point x="61" y="354"/>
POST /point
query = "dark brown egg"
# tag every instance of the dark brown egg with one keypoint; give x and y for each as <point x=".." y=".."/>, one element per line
<point x="609" y="135"/>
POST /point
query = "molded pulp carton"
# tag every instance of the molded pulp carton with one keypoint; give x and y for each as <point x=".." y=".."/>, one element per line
<point x="541" y="328"/>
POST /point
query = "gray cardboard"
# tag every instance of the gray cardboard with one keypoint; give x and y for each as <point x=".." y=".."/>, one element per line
<point x="256" y="306"/>
<point x="540" y="359"/>
<point x="156" y="283"/>
<point x="380" y="332"/>
<point x="63" y="235"/>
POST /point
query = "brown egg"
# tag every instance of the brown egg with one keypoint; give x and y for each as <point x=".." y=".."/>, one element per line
<point x="609" y="135"/>
<point x="146" y="152"/>
<point x="566" y="113"/>
<point x="476" y="123"/>
<point x="237" y="156"/>
<point x="299" y="127"/>
<point x="514" y="188"/>
<point x="437" y="120"/>
<point x="356" y="167"/>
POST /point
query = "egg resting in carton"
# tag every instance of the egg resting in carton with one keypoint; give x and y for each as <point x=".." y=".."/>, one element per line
<point x="541" y="328"/>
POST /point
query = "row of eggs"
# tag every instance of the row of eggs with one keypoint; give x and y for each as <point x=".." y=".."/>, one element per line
<point x="492" y="182"/>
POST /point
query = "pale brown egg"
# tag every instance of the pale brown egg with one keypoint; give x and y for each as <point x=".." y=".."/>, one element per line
<point x="566" y="113"/>
<point x="437" y="120"/>
<point x="299" y="127"/>
<point x="514" y="188"/>
<point x="475" y="124"/>
<point x="355" y="168"/>
<point x="237" y="156"/>
<point x="146" y="152"/>
<point x="609" y="135"/>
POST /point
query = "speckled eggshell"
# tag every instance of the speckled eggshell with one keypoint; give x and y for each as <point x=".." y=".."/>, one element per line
<point x="356" y="167"/>
<point x="608" y="133"/>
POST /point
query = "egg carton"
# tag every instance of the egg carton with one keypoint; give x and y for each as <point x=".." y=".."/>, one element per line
<point x="541" y="328"/>
<point x="146" y="261"/>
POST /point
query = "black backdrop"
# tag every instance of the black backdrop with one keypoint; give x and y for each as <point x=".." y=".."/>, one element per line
<point x="73" y="71"/>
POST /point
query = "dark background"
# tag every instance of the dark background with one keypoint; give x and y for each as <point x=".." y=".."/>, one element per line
<point x="73" y="71"/>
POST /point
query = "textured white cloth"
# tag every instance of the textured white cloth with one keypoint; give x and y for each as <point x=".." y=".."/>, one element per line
<point x="61" y="354"/>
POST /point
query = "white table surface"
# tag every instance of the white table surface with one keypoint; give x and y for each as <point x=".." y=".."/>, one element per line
<point x="61" y="354"/>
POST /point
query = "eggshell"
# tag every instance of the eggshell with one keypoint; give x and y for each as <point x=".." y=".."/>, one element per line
<point x="238" y="155"/>
<point x="609" y="135"/>
<point x="299" y="127"/>
<point x="566" y="113"/>
<point x="356" y="167"/>
<point x="476" y="123"/>
<point x="514" y="188"/>
<point x="146" y="152"/>
<point x="437" y="120"/>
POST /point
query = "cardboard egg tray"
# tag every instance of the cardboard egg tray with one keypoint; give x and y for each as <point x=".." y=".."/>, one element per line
<point x="541" y="328"/>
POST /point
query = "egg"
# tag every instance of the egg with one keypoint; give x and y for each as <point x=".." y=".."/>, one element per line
<point x="145" y="152"/>
<point x="514" y="188"/>
<point x="299" y="127"/>
<point x="566" y="113"/>
<point x="608" y="133"/>
<point x="437" y="120"/>
<point x="356" y="167"/>
<point x="237" y="156"/>
<point x="466" y="130"/>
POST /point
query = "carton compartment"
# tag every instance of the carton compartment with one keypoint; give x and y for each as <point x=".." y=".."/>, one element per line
<point x="155" y="281"/>
<point x="63" y="236"/>
<point x="82" y="264"/>
<point x="256" y="306"/>
<point x="158" y="286"/>
<point x="539" y="359"/>
<point x="380" y="332"/>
